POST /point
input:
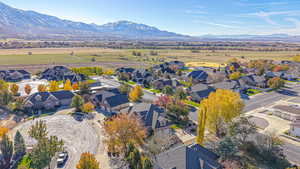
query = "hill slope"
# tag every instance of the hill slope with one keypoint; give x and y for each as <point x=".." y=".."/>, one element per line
<point x="30" y="24"/>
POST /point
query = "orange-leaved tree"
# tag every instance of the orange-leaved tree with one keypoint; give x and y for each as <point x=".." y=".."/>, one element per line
<point x="14" y="89"/>
<point x="42" y="88"/>
<point x="122" y="130"/>
<point x="27" y="89"/>
<point x="88" y="161"/>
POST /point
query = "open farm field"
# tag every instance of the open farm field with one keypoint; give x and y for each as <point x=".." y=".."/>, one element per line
<point x="92" y="56"/>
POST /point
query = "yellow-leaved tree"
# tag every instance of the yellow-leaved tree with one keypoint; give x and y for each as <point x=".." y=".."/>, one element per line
<point x="53" y="87"/>
<point x="296" y="58"/>
<point x="42" y="88"/>
<point x="14" y="88"/>
<point x="136" y="94"/>
<point x="68" y="85"/>
<point x="3" y="131"/>
<point x="87" y="161"/>
<point x="219" y="108"/>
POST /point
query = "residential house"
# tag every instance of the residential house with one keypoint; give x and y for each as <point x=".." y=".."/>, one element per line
<point x="110" y="100"/>
<point x="253" y="81"/>
<point x="187" y="157"/>
<point x="14" y="75"/>
<point x="161" y="83"/>
<point x="152" y="116"/>
<point x="199" y="92"/>
<point x="198" y="76"/>
<point x="142" y="77"/>
<point x="126" y="70"/>
<point x="45" y="101"/>
<point x="61" y="73"/>
<point x="228" y="85"/>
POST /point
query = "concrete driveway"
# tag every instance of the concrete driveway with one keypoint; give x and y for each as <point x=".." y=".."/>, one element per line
<point x="79" y="137"/>
<point x="33" y="83"/>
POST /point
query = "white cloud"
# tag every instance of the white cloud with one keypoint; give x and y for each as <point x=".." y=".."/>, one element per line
<point x="215" y="24"/>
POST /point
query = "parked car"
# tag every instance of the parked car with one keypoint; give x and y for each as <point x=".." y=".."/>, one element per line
<point x="62" y="158"/>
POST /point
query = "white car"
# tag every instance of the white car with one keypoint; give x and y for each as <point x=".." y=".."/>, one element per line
<point x="62" y="158"/>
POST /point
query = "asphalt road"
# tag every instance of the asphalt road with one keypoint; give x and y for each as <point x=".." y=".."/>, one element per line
<point x="292" y="153"/>
<point x="79" y="137"/>
<point x="266" y="99"/>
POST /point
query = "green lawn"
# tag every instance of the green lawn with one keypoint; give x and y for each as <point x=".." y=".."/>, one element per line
<point x="252" y="92"/>
<point x="189" y="102"/>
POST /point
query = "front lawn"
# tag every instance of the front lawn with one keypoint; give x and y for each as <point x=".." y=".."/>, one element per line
<point x="189" y="102"/>
<point x="251" y="92"/>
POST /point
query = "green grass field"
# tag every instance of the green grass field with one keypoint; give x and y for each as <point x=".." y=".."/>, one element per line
<point x="86" y="55"/>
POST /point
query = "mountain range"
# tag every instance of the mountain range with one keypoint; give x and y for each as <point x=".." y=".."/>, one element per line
<point x="30" y="24"/>
<point x="17" y="23"/>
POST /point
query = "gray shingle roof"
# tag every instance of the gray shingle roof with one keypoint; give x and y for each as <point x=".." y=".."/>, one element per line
<point x="187" y="157"/>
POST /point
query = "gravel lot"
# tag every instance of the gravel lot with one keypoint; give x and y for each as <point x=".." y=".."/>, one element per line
<point x="34" y="85"/>
<point x="79" y="137"/>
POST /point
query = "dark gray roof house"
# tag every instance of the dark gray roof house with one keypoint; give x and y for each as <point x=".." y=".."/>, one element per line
<point x="200" y="91"/>
<point x="61" y="73"/>
<point x="161" y="83"/>
<point x="48" y="100"/>
<point x="187" y="157"/>
<point x="150" y="114"/>
<point x="229" y="85"/>
<point x="14" y="75"/>
<point x="198" y="76"/>
<point x="110" y="100"/>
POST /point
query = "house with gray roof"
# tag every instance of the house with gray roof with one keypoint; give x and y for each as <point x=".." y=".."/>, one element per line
<point x="61" y="73"/>
<point x="110" y="100"/>
<point x="198" y="76"/>
<point x="228" y="85"/>
<point x="200" y="91"/>
<point x="160" y="84"/>
<point x="45" y="101"/>
<point x="152" y="116"/>
<point x="187" y="157"/>
<point x="14" y="75"/>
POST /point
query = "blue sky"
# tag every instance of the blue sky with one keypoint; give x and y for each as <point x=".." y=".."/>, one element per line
<point x="191" y="17"/>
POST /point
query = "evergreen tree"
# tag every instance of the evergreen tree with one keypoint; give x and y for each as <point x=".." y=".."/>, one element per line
<point x="19" y="145"/>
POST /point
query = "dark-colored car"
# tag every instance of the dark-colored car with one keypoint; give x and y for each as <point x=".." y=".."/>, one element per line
<point x="62" y="157"/>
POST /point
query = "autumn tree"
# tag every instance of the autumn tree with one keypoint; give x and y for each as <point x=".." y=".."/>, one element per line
<point x="3" y="86"/>
<point x="75" y="86"/>
<point x="25" y="163"/>
<point x="77" y="103"/>
<point x="276" y="83"/>
<point x="88" y="107"/>
<point x="109" y="72"/>
<point x="87" y="161"/>
<point x="6" y="148"/>
<point x="42" y="88"/>
<point x="14" y="89"/>
<point x="220" y="107"/>
<point x="296" y="58"/>
<point x="3" y="131"/>
<point x="53" y="86"/>
<point x="122" y="130"/>
<point x="136" y="94"/>
<point x="19" y="145"/>
<point x="235" y="75"/>
<point x="68" y="85"/>
<point x="27" y="89"/>
<point x="164" y="101"/>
